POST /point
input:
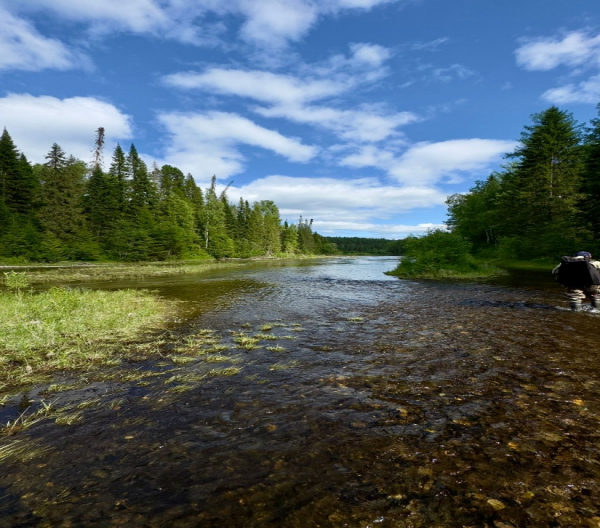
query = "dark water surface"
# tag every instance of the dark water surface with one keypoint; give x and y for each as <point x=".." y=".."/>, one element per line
<point x="392" y="404"/>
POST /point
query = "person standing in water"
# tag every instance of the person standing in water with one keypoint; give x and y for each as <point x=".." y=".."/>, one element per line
<point x="580" y="274"/>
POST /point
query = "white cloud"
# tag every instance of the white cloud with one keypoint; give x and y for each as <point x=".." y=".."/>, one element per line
<point x="139" y="16"/>
<point x="266" y="23"/>
<point x="329" y="199"/>
<point x="583" y="92"/>
<point x="370" y="54"/>
<point x="432" y="45"/>
<point x="373" y="230"/>
<point x="578" y="51"/>
<point x="209" y="143"/>
<point x="428" y="163"/>
<point x="23" y="48"/>
<point x="262" y="86"/>
<point x="274" y="23"/>
<point x="35" y="123"/>
<point x="455" y="71"/>
<point x="290" y="96"/>
<point x="577" y="48"/>
<point x="365" y="125"/>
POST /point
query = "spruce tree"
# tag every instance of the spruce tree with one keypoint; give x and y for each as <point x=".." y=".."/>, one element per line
<point x="61" y="212"/>
<point x="545" y="183"/>
<point x="18" y="183"/>
<point x="590" y="188"/>
<point x="142" y="191"/>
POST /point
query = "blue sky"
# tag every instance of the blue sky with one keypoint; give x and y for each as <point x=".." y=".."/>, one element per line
<point x="361" y="114"/>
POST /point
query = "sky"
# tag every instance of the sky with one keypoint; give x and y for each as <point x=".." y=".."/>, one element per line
<point x="364" y="115"/>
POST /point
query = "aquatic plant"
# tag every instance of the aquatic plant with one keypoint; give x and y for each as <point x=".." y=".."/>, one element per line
<point x="16" y="281"/>
<point x="246" y="342"/>
<point x="284" y="366"/>
<point x="266" y="337"/>
<point x="71" y="328"/>
<point x="228" y="371"/>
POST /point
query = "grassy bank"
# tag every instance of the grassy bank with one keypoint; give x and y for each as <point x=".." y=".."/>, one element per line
<point x="67" y="329"/>
<point x="85" y="272"/>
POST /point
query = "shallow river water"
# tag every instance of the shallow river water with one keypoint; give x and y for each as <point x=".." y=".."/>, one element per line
<point x="357" y="399"/>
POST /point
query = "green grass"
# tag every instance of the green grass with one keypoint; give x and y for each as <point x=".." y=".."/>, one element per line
<point x="68" y="272"/>
<point x="66" y="329"/>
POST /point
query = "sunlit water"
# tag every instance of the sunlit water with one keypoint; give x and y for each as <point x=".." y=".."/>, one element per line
<point x="398" y="403"/>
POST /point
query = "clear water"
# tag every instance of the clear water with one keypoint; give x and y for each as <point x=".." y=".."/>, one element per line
<point x="398" y="403"/>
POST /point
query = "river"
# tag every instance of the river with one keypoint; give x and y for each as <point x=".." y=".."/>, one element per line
<point x="366" y="401"/>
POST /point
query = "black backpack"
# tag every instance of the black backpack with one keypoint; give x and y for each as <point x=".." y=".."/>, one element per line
<point x="577" y="273"/>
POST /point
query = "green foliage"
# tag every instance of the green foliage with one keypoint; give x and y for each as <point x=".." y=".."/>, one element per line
<point x="366" y="246"/>
<point x="533" y="208"/>
<point x="63" y="210"/>
<point x="439" y="254"/>
<point x="16" y="281"/>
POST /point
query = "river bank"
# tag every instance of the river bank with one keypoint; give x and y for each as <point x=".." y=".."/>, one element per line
<point x="88" y="271"/>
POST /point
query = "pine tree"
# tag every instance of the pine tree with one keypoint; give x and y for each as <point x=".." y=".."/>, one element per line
<point x="61" y="212"/>
<point x="143" y="191"/>
<point x="544" y="185"/>
<point x="18" y="183"/>
<point x="289" y="238"/>
<point x="118" y="182"/>
<point x="590" y="188"/>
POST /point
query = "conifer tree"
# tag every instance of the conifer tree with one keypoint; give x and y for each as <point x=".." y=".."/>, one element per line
<point x="18" y="183"/>
<point x="61" y="212"/>
<point x="590" y="188"/>
<point x="545" y="182"/>
<point x="143" y="191"/>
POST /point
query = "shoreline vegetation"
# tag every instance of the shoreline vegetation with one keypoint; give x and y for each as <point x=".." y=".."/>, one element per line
<point x="88" y="272"/>
<point x="442" y="255"/>
<point x="69" y="329"/>
<point x="66" y="330"/>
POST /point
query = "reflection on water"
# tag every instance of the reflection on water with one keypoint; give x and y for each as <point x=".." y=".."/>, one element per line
<point x="384" y="403"/>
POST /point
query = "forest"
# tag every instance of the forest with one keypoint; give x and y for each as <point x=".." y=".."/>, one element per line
<point x="65" y="209"/>
<point x="545" y="202"/>
<point x="366" y="246"/>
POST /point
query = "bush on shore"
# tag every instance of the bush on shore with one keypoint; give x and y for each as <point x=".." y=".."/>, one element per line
<point x="440" y="255"/>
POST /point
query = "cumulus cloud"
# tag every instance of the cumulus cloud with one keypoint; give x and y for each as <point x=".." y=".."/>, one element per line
<point x="36" y="122"/>
<point x="207" y="143"/>
<point x="293" y="97"/>
<point x="262" y="86"/>
<point x="24" y="48"/>
<point x="369" y="124"/>
<point x="265" y="23"/>
<point x="583" y="92"/>
<point x="428" y="163"/>
<point x="453" y="72"/>
<point x="329" y="199"/>
<point x="374" y="230"/>
<point x="578" y="51"/>
<point x="577" y="48"/>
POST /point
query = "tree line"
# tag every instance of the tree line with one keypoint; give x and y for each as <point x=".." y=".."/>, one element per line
<point x="366" y="246"/>
<point x="64" y="209"/>
<point x="545" y="202"/>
